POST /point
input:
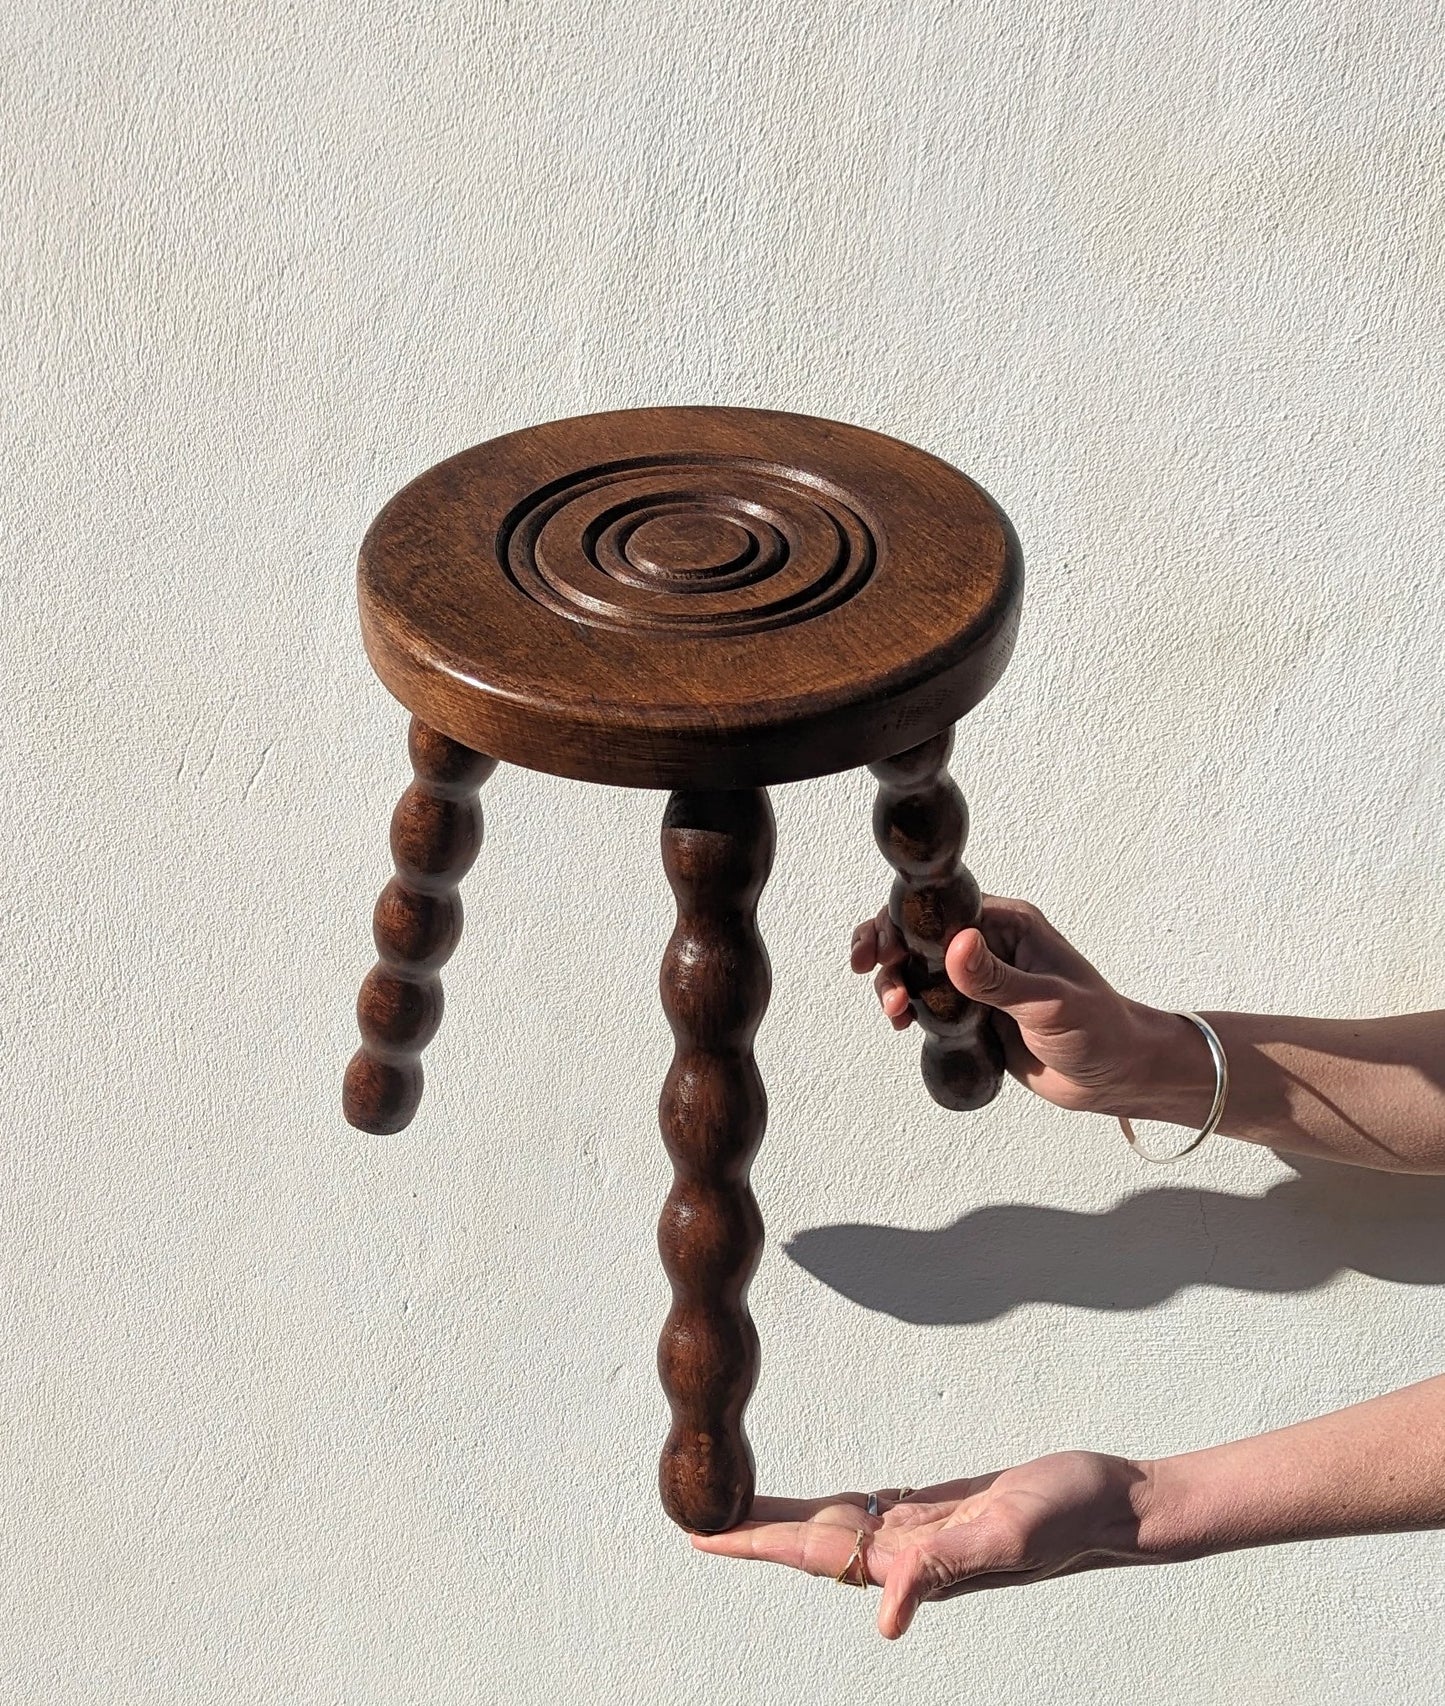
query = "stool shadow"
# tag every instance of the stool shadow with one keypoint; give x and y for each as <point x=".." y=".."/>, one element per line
<point x="1299" y="1235"/>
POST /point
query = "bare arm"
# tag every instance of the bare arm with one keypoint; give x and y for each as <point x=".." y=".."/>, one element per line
<point x="1377" y="1467"/>
<point x="1369" y="1092"/>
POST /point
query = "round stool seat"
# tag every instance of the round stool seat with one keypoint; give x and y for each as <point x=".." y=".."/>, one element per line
<point x="690" y="597"/>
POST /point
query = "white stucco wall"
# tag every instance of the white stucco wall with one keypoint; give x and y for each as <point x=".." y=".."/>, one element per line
<point x="296" y="1415"/>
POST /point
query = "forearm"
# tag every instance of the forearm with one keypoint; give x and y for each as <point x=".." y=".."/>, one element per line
<point x="1377" y="1467"/>
<point x="1370" y="1092"/>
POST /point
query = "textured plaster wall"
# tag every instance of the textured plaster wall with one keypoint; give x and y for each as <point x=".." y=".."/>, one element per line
<point x="295" y="1415"/>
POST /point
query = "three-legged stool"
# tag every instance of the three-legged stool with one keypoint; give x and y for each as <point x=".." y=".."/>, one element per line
<point x="709" y="601"/>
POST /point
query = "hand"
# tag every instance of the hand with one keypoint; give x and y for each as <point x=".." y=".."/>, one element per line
<point x="1067" y="1034"/>
<point x="1075" y="1510"/>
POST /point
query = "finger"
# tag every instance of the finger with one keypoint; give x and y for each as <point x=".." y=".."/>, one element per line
<point x="912" y="1577"/>
<point x="1018" y="932"/>
<point x="841" y="1507"/>
<point x="954" y="1560"/>
<point x="893" y="999"/>
<point x="891" y="948"/>
<point x="980" y="1548"/>
<point x="1005" y="923"/>
<point x="978" y="972"/>
<point x="773" y="1542"/>
<point x="863" y="954"/>
<point x="817" y="1548"/>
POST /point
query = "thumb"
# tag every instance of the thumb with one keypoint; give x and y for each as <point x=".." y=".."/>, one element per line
<point x="976" y="971"/>
<point x="912" y="1576"/>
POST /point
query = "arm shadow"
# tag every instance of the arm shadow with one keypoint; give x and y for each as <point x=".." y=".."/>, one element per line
<point x="1304" y="1231"/>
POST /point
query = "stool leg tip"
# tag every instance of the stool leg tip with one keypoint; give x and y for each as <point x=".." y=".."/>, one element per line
<point x="379" y="1097"/>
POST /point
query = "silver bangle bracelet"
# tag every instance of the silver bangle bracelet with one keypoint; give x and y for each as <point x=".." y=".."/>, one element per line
<point x="1216" y="1110"/>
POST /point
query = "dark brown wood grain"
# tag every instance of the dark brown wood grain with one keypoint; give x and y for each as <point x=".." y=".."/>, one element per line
<point x="710" y="601"/>
<point x="690" y="597"/>
<point x="717" y="848"/>
<point x="436" y="831"/>
<point x="920" y="822"/>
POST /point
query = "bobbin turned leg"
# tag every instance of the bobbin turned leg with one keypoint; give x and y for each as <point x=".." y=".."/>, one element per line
<point x="436" y="830"/>
<point x="920" y="822"/>
<point x="717" y="848"/>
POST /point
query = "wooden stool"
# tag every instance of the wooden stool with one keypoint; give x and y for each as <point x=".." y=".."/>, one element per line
<point x="709" y="601"/>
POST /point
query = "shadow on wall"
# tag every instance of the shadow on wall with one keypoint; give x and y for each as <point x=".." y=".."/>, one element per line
<point x="1299" y="1235"/>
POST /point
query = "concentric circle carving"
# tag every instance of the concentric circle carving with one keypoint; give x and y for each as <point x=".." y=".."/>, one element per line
<point x="717" y="545"/>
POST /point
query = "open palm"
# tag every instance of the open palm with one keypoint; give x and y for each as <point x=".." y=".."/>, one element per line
<point x="1074" y="1510"/>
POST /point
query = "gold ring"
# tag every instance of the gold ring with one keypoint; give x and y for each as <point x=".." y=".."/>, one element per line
<point x="845" y="1575"/>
